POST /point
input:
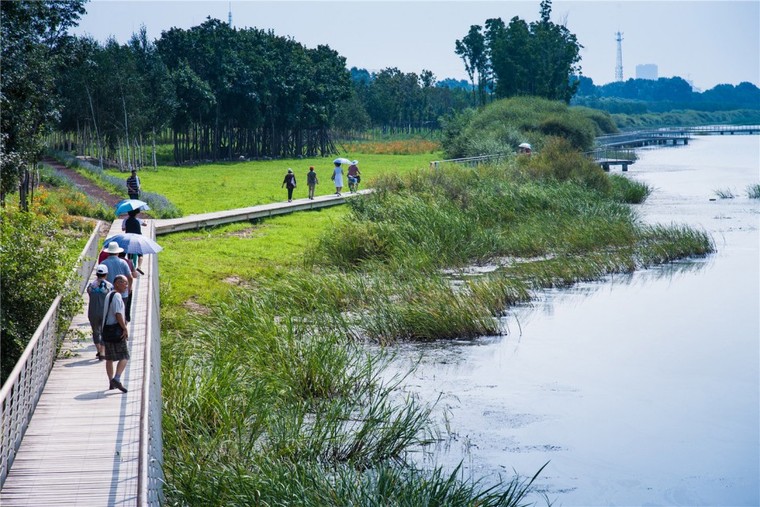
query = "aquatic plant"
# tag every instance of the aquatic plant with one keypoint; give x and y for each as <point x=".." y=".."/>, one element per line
<point x="264" y="406"/>
<point x="724" y="193"/>
<point x="627" y="190"/>
<point x="753" y="191"/>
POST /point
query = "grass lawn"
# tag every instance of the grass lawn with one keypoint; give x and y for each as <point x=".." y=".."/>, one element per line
<point x="229" y="185"/>
<point x="201" y="266"/>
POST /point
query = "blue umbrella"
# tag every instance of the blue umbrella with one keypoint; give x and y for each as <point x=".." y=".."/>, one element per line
<point x="128" y="205"/>
<point x="135" y="243"/>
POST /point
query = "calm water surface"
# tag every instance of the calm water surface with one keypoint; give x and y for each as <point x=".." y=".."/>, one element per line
<point x="638" y="390"/>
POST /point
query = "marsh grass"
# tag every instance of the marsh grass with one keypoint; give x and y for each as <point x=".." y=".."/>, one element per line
<point x="753" y="191"/>
<point x="724" y="193"/>
<point x="262" y="409"/>
<point x="272" y="397"/>
<point x="628" y="191"/>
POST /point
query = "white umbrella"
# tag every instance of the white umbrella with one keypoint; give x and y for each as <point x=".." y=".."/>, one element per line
<point x="135" y="243"/>
<point x="341" y="161"/>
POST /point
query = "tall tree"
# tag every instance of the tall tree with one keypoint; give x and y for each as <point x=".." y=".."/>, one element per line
<point x="540" y="58"/>
<point x="473" y="52"/>
<point x="32" y="34"/>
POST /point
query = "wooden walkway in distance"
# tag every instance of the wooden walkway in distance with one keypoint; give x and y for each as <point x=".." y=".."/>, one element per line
<point x="81" y="446"/>
<point x="166" y="226"/>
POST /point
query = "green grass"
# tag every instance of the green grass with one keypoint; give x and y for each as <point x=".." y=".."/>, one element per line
<point x="216" y="187"/>
<point x="272" y="396"/>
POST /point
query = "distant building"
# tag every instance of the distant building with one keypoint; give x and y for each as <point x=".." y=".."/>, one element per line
<point x="646" y="71"/>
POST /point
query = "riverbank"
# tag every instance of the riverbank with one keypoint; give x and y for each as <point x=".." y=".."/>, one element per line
<point x="287" y="350"/>
<point x="640" y="389"/>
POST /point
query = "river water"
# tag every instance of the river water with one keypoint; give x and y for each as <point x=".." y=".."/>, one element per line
<point x="637" y="390"/>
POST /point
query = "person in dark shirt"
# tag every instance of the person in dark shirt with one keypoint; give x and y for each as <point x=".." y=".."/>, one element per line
<point x="133" y="185"/>
<point x="290" y="182"/>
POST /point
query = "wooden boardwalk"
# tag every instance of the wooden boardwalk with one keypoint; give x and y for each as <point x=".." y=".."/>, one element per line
<point x="81" y="446"/>
<point x="167" y="226"/>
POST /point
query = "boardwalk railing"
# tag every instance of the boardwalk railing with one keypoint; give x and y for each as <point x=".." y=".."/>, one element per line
<point x="150" y="477"/>
<point x="21" y="391"/>
<point x="469" y="161"/>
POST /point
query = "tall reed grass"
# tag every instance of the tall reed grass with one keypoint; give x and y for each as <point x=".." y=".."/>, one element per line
<point x="264" y="407"/>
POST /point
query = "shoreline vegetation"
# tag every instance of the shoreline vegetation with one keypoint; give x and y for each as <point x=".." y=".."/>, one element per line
<point x="273" y="375"/>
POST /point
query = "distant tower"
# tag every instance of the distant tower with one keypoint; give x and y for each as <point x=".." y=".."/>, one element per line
<point x="619" y="64"/>
<point x="229" y="16"/>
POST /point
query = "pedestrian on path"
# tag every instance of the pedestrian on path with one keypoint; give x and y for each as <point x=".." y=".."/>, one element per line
<point x="311" y="181"/>
<point x="116" y="350"/>
<point x="290" y="182"/>
<point x="133" y="185"/>
<point x="337" y="178"/>
<point x="97" y="291"/>
<point x="132" y="225"/>
<point x="354" y="176"/>
<point x="117" y="266"/>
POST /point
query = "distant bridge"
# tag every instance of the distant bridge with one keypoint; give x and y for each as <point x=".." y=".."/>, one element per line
<point x="618" y="149"/>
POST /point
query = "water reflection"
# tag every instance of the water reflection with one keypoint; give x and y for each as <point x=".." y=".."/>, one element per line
<point x="640" y="389"/>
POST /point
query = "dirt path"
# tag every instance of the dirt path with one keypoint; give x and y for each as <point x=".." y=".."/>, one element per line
<point x="85" y="185"/>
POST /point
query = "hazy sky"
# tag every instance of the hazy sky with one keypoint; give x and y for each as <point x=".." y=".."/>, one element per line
<point x="707" y="42"/>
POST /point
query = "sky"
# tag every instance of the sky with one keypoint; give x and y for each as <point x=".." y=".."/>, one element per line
<point x="705" y="42"/>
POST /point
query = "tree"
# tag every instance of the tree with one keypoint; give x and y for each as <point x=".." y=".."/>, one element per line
<point x="539" y="58"/>
<point x="473" y="52"/>
<point x="32" y="34"/>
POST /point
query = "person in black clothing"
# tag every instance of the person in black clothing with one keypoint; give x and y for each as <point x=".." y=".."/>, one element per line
<point x="132" y="225"/>
<point x="290" y="182"/>
<point x="133" y="185"/>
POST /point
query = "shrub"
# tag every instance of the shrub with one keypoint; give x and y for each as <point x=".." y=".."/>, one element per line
<point x="37" y="262"/>
<point x="560" y="161"/>
<point x="628" y="191"/>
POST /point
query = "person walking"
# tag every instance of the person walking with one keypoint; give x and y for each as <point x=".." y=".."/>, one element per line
<point x="132" y="225"/>
<point x="115" y="344"/>
<point x="290" y="182"/>
<point x="337" y="178"/>
<point x="354" y="176"/>
<point x="97" y="291"/>
<point x="117" y="266"/>
<point x="311" y="181"/>
<point x="133" y="185"/>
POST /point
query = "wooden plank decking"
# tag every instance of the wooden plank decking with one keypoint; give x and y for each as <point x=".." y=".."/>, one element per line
<point x="167" y="226"/>
<point x="81" y="447"/>
<point x="82" y="444"/>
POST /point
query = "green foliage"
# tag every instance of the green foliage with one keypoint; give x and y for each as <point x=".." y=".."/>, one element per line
<point x="71" y="200"/>
<point x="215" y="187"/>
<point x="502" y="125"/>
<point x="559" y="161"/>
<point x="33" y="45"/>
<point x="627" y="190"/>
<point x="686" y="118"/>
<point x="265" y="405"/>
<point x="524" y="59"/>
<point x="37" y="257"/>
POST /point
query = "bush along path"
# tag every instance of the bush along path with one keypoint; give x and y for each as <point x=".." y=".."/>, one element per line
<point x="86" y="186"/>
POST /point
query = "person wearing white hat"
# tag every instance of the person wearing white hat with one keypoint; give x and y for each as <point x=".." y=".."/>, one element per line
<point x="117" y="266"/>
<point x="97" y="290"/>
<point x="524" y="149"/>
